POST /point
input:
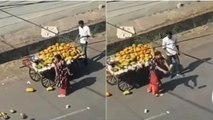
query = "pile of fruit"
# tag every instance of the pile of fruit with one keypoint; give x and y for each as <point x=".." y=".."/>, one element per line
<point x="69" y="52"/>
<point x="133" y="56"/>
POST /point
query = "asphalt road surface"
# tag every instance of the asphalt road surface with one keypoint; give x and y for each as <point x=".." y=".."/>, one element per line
<point x="124" y="11"/>
<point x="87" y="93"/>
<point x="188" y="98"/>
<point x="40" y="12"/>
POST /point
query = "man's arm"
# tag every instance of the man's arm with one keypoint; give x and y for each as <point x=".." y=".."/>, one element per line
<point x="88" y="32"/>
<point x="177" y="46"/>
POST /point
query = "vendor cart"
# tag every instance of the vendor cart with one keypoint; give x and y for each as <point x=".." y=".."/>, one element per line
<point x="46" y="75"/>
<point x="41" y="66"/>
<point x="129" y="68"/>
<point x="36" y="74"/>
<point x="128" y="79"/>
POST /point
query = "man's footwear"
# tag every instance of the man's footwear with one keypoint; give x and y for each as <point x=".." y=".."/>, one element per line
<point x="170" y="67"/>
<point x="179" y="75"/>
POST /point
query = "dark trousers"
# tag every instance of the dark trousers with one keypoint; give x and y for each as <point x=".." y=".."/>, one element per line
<point x="84" y="49"/>
<point x="176" y="62"/>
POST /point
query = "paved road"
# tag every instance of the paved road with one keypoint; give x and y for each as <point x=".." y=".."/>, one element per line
<point x="188" y="98"/>
<point x="121" y="12"/>
<point x="40" y="12"/>
<point x="88" y="91"/>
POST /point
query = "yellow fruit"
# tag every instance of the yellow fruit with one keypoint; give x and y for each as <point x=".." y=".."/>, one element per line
<point x="30" y="89"/>
<point x="108" y="94"/>
<point x="50" y="89"/>
<point x="127" y="92"/>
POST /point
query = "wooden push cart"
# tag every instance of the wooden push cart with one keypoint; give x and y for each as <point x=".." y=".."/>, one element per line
<point x="36" y="74"/>
<point x="45" y="75"/>
<point x="128" y="79"/>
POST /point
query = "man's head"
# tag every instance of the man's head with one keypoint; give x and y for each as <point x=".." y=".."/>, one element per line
<point x="81" y="23"/>
<point x="169" y="34"/>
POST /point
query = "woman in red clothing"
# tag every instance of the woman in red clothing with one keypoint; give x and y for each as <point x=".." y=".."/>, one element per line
<point x="62" y="76"/>
<point x="163" y="67"/>
<point x="158" y="68"/>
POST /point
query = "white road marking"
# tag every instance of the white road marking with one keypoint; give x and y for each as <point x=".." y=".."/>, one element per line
<point x="212" y="96"/>
<point x="158" y="115"/>
<point x="72" y="113"/>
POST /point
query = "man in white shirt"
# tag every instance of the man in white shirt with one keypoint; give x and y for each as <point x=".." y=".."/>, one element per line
<point x="169" y="44"/>
<point x="84" y="33"/>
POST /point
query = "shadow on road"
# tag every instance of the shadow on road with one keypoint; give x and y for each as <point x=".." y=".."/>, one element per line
<point x="79" y="69"/>
<point x="171" y="85"/>
<point x="192" y="103"/>
<point x="82" y="84"/>
<point x="99" y="56"/>
<point x="192" y="66"/>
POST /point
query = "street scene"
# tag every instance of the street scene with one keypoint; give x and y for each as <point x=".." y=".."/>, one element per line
<point x="39" y="41"/>
<point x="137" y="33"/>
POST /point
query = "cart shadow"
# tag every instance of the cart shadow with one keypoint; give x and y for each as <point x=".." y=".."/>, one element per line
<point x="192" y="66"/>
<point x="171" y="85"/>
<point x="82" y="84"/>
<point x="137" y="78"/>
<point x="80" y="70"/>
<point x="99" y="56"/>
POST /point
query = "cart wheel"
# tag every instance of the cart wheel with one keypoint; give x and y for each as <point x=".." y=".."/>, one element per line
<point x="35" y="76"/>
<point x="47" y="83"/>
<point x="123" y="85"/>
<point x="111" y="79"/>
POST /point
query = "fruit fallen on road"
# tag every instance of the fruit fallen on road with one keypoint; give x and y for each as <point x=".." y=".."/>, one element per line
<point x="4" y="115"/>
<point x="127" y="92"/>
<point x="23" y="116"/>
<point x="108" y="94"/>
<point x="50" y="89"/>
<point x="30" y="89"/>
<point x="12" y="111"/>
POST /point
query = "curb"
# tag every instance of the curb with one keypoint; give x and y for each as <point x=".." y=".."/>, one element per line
<point x="159" y="33"/>
<point x="33" y="48"/>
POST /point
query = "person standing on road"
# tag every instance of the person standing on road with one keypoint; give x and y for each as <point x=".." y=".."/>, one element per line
<point x="169" y="44"/>
<point x="84" y="33"/>
<point x="154" y="80"/>
<point x="162" y="65"/>
<point x="62" y="74"/>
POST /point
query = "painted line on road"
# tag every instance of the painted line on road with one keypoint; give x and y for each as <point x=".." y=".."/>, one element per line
<point x="212" y="96"/>
<point x="158" y="115"/>
<point x="72" y="113"/>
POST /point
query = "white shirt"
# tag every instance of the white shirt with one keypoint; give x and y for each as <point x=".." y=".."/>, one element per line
<point x="84" y="32"/>
<point x="170" y="45"/>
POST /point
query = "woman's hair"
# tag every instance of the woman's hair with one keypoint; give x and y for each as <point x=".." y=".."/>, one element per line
<point x="157" y="53"/>
<point x="58" y="57"/>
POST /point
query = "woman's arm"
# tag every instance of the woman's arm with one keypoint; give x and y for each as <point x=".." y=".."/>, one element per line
<point x="166" y="64"/>
<point x="157" y="67"/>
<point x="68" y="70"/>
<point x="56" y="71"/>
